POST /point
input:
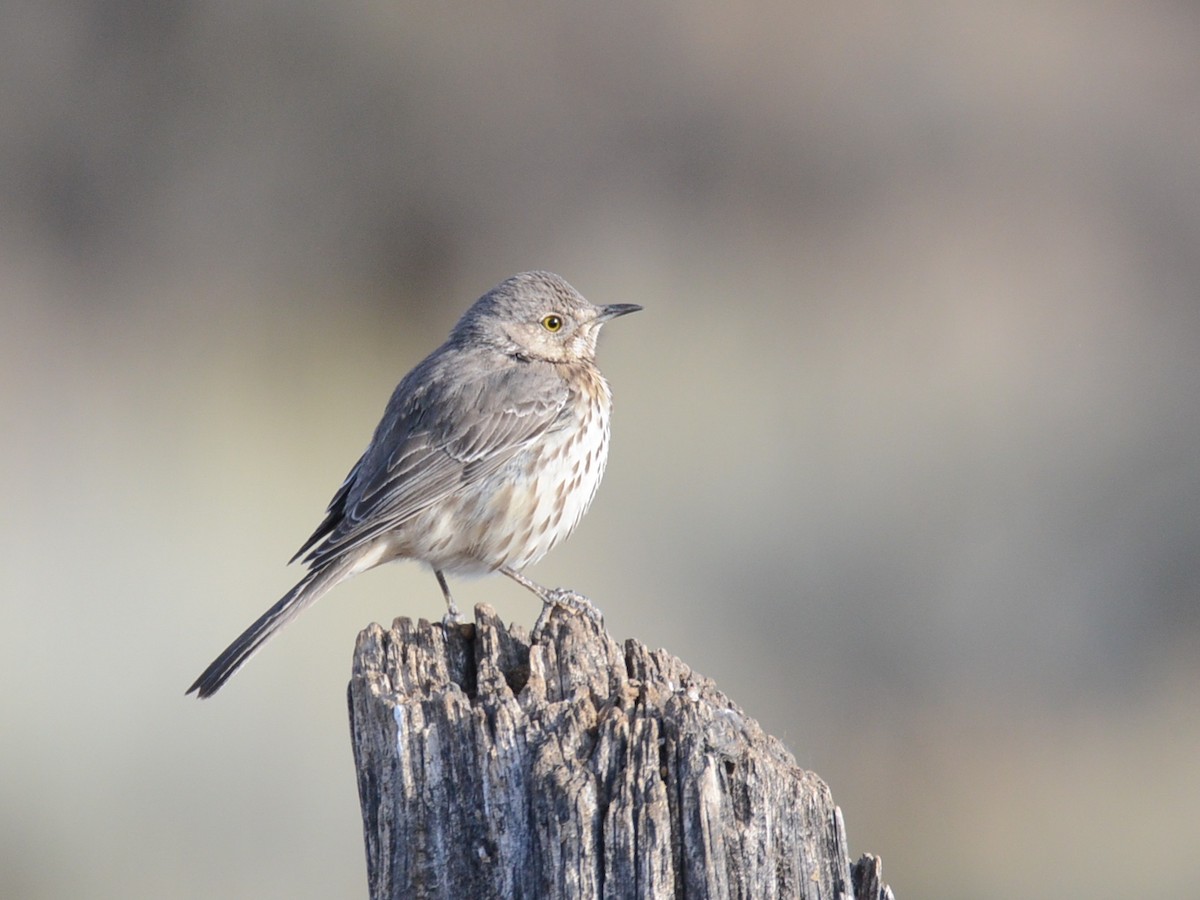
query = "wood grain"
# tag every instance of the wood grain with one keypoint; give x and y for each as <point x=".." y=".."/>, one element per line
<point x="577" y="769"/>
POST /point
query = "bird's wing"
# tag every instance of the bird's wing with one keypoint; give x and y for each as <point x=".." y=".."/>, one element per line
<point x="439" y="435"/>
<point x="333" y="512"/>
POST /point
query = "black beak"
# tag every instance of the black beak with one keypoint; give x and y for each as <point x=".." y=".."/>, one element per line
<point x="616" y="309"/>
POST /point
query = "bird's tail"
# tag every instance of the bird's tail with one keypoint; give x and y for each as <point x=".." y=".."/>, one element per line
<point x="310" y="589"/>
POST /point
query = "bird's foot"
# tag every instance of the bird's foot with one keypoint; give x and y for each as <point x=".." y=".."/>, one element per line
<point x="453" y="618"/>
<point x="552" y="597"/>
<point x="564" y="598"/>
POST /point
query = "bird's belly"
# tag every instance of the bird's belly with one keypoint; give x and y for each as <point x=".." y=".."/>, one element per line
<point x="518" y="515"/>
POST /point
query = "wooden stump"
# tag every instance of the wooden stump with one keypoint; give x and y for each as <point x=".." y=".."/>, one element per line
<point x="576" y="769"/>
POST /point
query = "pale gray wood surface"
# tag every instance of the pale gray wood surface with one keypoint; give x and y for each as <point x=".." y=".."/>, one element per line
<point x="579" y="768"/>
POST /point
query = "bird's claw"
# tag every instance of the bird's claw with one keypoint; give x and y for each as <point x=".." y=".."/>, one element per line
<point x="564" y="598"/>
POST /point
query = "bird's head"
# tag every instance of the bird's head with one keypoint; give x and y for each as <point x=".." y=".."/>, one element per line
<point x="538" y="316"/>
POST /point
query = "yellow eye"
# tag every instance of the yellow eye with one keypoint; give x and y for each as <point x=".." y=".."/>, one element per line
<point x="552" y="323"/>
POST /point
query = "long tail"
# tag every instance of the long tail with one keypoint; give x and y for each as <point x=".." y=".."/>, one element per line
<point x="310" y="589"/>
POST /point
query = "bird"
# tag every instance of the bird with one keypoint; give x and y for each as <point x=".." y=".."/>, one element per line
<point x="487" y="456"/>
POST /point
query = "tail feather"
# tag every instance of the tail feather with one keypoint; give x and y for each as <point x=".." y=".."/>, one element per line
<point x="310" y="589"/>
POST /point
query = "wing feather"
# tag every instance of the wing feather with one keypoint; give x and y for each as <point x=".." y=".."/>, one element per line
<point x="443" y="430"/>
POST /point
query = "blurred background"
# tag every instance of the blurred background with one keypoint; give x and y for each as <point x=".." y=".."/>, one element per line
<point x="905" y="444"/>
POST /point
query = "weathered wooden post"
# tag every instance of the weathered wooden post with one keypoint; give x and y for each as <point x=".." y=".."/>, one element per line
<point x="577" y="769"/>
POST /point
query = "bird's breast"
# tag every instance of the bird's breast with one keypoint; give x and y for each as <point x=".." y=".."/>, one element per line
<point x="517" y="515"/>
<point x="555" y="483"/>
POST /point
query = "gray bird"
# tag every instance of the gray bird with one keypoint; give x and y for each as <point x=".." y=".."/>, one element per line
<point x="488" y="455"/>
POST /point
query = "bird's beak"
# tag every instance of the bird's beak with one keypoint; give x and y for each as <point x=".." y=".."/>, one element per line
<point x="616" y="309"/>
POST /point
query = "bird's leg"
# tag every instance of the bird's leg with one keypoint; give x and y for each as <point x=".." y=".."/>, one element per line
<point x="453" y="616"/>
<point x="552" y="597"/>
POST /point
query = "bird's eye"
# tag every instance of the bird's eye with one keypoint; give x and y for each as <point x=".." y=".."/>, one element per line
<point x="552" y="323"/>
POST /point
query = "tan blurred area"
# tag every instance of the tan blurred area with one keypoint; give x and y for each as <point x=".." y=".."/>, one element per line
<point x="905" y="450"/>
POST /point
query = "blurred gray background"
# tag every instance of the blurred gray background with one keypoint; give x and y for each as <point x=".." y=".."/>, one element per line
<point x="905" y="444"/>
